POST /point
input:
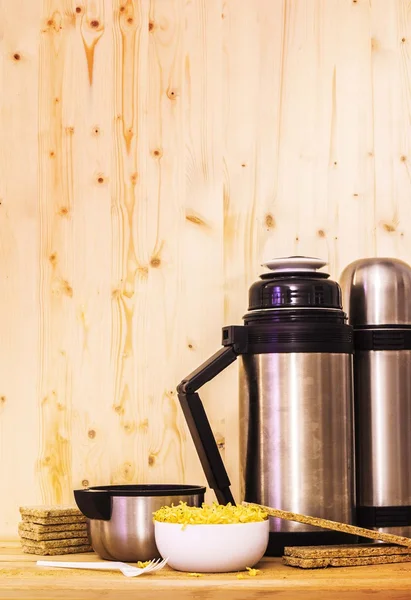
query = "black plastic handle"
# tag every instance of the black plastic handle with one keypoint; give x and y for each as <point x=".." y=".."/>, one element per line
<point x="94" y="504"/>
<point x="206" y="446"/>
<point x="235" y="343"/>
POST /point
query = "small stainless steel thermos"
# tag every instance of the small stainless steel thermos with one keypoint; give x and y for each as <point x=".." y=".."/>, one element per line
<point x="377" y="298"/>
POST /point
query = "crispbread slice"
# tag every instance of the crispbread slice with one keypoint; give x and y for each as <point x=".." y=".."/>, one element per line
<point x="344" y="550"/>
<point x="388" y="538"/>
<point x="53" y="520"/>
<point x="34" y="527"/>
<point x="56" y="551"/>
<point x="321" y="563"/>
<point x="56" y="543"/>
<point x="50" y="511"/>
<point x="58" y="535"/>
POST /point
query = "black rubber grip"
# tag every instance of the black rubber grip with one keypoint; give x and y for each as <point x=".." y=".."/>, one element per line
<point x="300" y="337"/>
<point x="375" y="517"/>
<point x="382" y="339"/>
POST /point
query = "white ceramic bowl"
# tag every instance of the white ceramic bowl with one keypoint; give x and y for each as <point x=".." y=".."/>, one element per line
<point x="212" y="548"/>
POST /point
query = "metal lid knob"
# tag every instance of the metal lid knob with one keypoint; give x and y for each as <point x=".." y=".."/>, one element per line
<point x="296" y="264"/>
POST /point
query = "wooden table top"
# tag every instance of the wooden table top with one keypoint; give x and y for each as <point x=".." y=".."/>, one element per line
<point x="21" y="578"/>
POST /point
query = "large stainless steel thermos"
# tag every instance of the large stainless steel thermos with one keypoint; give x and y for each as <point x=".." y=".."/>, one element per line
<point x="377" y="298"/>
<point x="296" y="422"/>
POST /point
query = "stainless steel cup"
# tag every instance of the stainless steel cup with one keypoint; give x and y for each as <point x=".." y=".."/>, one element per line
<point x="120" y="517"/>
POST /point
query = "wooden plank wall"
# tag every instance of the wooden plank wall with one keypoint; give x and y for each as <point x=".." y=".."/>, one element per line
<point x="153" y="153"/>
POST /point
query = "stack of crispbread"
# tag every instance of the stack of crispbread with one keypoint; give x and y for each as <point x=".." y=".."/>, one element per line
<point x="316" y="557"/>
<point x="53" y="530"/>
<point x="395" y="548"/>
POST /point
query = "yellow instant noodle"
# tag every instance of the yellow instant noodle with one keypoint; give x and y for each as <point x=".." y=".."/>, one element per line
<point x="214" y="514"/>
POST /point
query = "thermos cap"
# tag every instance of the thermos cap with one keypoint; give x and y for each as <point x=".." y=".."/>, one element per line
<point x="294" y="282"/>
<point x="377" y="291"/>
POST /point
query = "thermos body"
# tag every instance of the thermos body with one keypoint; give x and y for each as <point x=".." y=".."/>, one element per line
<point x="383" y="394"/>
<point x="296" y="435"/>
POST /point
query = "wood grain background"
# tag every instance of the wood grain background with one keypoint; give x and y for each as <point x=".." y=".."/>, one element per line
<point x="153" y="153"/>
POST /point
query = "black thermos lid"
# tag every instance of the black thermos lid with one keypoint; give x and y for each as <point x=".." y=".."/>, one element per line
<point x="294" y="282"/>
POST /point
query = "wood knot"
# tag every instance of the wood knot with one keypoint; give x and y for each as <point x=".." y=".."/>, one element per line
<point x="85" y="482"/>
<point x="2" y="399"/>
<point x="335" y="163"/>
<point x="91" y="434"/>
<point x="151" y="460"/>
<point x="53" y="258"/>
<point x="56" y="100"/>
<point x="190" y="345"/>
<point x="150" y="25"/>
<point x="122" y="8"/>
<point x="142" y="270"/>
<point x="119" y="409"/>
<point x="100" y="179"/>
<point x="243" y="165"/>
<point x="143" y="425"/>
<point x="196" y="220"/>
<point x="374" y="44"/>
<point x="130" y="20"/>
<point x="389" y="227"/>
<point x="70" y="130"/>
<point x="79" y="10"/>
<point x="321" y="233"/>
<point x="155" y="262"/>
<point x="64" y="211"/>
<point x="127" y="469"/>
<point x="172" y="94"/>
<point x="52" y="154"/>
<point x="96" y="130"/>
<point x="50" y="23"/>
<point x="403" y="158"/>
<point x="94" y="24"/>
<point x="403" y="40"/>
<point x="219" y="438"/>
<point x="157" y="153"/>
<point x="16" y="56"/>
<point x="133" y="178"/>
<point x="67" y="289"/>
<point x="269" y="221"/>
<point x="297" y="239"/>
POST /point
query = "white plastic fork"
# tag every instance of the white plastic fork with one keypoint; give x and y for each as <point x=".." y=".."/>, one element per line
<point x="127" y="570"/>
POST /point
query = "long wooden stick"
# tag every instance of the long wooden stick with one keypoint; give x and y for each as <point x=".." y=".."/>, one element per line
<point x="389" y="538"/>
